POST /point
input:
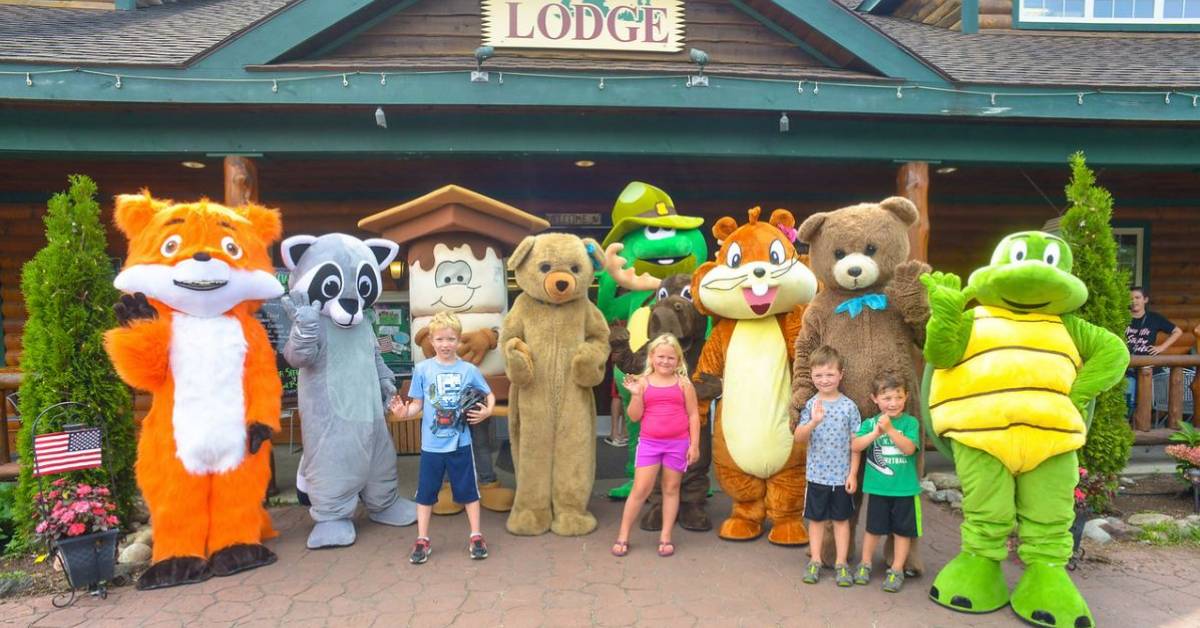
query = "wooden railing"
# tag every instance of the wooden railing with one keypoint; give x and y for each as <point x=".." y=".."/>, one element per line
<point x="1143" y="411"/>
<point x="10" y="382"/>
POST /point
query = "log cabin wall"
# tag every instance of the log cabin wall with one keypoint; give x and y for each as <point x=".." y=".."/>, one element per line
<point x="995" y="14"/>
<point x="941" y="13"/>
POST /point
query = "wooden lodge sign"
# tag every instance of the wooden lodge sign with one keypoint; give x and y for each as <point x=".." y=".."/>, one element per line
<point x="627" y="25"/>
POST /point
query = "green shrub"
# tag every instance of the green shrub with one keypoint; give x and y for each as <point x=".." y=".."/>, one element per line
<point x="1086" y="226"/>
<point x="1169" y="533"/>
<point x="8" y="521"/>
<point x="69" y="297"/>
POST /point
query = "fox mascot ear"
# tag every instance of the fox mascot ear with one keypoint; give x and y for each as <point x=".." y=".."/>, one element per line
<point x="134" y="211"/>
<point x="266" y="222"/>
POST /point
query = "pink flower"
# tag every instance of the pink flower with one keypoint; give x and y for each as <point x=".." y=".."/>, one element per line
<point x="84" y="490"/>
<point x="41" y="527"/>
<point x="1184" y="454"/>
<point x="59" y="482"/>
<point x="80" y="506"/>
<point x="75" y="529"/>
<point x="67" y="516"/>
<point x="103" y="490"/>
<point x="52" y="495"/>
<point x="112" y="520"/>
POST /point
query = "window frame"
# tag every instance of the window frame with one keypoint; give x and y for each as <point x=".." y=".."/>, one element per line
<point x="1023" y="19"/>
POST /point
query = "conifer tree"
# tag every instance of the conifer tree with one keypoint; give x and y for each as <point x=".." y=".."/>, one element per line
<point x="1086" y="226"/>
<point x="69" y="296"/>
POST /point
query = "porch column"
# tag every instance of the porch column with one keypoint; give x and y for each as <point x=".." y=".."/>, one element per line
<point x="241" y="181"/>
<point x="912" y="182"/>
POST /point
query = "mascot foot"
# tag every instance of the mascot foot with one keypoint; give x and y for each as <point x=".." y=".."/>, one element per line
<point x="788" y="532"/>
<point x="337" y="533"/>
<point x="1045" y="596"/>
<point x="496" y="498"/>
<point x="528" y="522"/>
<point x="445" y="503"/>
<point x="622" y="491"/>
<point x="237" y="558"/>
<point x="573" y="524"/>
<point x="652" y="520"/>
<point x="693" y="517"/>
<point x="970" y="584"/>
<point x="402" y="512"/>
<point x="174" y="572"/>
<point x="737" y="529"/>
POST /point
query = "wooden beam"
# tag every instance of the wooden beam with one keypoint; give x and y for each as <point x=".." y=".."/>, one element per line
<point x="1145" y="399"/>
<point x="241" y="181"/>
<point x="912" y="182"/>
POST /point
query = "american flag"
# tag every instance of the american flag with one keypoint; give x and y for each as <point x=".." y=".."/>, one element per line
<point x="66" y="451"/>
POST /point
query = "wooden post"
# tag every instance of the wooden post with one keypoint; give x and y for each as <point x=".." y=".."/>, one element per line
<point x="1175" y="398"/>
<point x="912" y="182"/>
<point x="1196" y="401"/>
<point x="1145" y="398"/>
<point x="241" y="181"/>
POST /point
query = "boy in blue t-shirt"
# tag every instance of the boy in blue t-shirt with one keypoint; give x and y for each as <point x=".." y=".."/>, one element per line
<point x="891" y="484"/>
<point x="439" y="386"/>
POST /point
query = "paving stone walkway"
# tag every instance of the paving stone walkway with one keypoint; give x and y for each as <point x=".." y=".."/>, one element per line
<point x="553" y="581"/>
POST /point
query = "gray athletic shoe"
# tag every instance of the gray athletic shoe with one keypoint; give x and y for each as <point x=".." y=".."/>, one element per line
<point x="862" y="575"/>
<point x="842" y="575"/>
<point x="812" y="573"/>
<point x="893" y="581"/>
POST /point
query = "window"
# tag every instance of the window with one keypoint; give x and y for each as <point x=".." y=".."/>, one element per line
<point x="1111" y="11"/>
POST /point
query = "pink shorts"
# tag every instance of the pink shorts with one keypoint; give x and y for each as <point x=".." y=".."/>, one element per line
<point x="670" y="453"/>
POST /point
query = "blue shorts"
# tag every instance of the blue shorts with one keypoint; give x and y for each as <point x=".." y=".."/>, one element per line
<point x="458" y="464"/>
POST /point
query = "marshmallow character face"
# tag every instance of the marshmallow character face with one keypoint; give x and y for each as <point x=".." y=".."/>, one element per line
<point x="458" y="282"/>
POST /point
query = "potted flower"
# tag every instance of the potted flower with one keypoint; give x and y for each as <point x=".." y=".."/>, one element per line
<point x="80" y="525"/>
<point x="1186" y="452"/>
<point x="1082" y="510"/>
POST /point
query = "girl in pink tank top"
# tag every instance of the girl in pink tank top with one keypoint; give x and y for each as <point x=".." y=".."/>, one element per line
<point x="664" y="401"/>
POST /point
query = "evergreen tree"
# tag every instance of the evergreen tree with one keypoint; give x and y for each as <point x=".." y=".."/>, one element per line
<point x="69" y="297"/>
<point x="1086" y="226"/>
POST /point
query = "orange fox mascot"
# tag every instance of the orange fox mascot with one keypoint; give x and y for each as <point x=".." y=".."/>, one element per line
<point x="195" y="274"/>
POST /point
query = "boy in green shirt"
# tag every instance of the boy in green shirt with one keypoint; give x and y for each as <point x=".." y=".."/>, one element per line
<point x="894" y="492"/>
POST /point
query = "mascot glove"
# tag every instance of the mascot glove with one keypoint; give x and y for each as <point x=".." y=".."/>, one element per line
<point x="256" y="435"/>
<point x="520" y="362"/>
<point x="947" y="299"/>
<point x="305" y="317"/>
<point x="586" y="369"/>
<point x="133" y="307"/>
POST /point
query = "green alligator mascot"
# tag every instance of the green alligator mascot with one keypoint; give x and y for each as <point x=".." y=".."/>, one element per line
<point x="1008" y="389"/>
<point x="654" y="242"/>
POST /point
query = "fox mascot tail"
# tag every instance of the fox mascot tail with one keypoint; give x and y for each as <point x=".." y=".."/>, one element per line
<point x="194" y="276"/>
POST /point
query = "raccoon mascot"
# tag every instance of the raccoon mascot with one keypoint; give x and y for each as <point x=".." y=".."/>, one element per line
<point x="343" y="385"/>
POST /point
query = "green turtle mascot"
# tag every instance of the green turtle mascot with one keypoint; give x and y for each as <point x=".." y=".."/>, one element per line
<point x="653" y="242"/>
<point x="1008" y="388"/>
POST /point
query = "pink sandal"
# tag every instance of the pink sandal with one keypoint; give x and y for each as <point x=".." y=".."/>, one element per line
<point x="666" y="549"/>
<point x="620" y="549"/>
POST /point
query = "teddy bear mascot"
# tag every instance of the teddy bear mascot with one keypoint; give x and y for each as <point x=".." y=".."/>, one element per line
<point x="653" y="242"/>
<point x="344" y="384"/>
<point x="674" y="312"/>
<point x="555" y="348"/>
<point x="194" y="276"/>
<point x="872" y="309"/>
<point x="1009" y="385"/>
<point x="756" y="288"/>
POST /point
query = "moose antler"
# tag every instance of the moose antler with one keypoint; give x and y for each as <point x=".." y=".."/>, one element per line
<point x="627" y="278"/>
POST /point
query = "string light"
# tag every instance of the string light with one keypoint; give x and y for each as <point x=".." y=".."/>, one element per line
<point x="691" y="81"/>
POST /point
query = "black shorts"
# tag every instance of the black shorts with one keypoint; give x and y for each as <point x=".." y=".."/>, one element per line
<point x="824" y="503"/>
<point x="894" y="515"/>
<point x="434" y="466"/>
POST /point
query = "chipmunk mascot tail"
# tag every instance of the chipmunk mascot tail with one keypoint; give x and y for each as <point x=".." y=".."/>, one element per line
<point x="193" y="278"/>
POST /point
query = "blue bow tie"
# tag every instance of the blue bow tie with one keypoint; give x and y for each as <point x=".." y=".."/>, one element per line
<point x="875" y="301"/>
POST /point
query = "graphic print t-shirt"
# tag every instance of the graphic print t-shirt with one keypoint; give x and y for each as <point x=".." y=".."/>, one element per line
<point x="1142" y="333"/>
<point x="889" y="471"/>
<point x="439" y="387"/>
<point x="829" y="445"/>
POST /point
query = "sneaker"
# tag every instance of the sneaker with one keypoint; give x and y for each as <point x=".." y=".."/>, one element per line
<point x="421" y="550"/>
<point x="477" y="547"/>
<point x="843" y="577"/>
<point x="862" y="575"/>
<point x="893" y="581"/>
<point x="812" y="573"/>
<point x="616" y="442"/>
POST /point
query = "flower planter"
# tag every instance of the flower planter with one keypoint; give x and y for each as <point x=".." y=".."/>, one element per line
<point x="88" y="559"/>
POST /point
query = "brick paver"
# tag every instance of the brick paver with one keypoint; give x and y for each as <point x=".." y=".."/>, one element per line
<point x="553" y="581"/>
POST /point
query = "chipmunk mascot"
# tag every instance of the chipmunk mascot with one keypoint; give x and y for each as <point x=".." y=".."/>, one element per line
<point x="756" y="287"/>
<point x="194" y="276"/>
<point x="344" y="384"/>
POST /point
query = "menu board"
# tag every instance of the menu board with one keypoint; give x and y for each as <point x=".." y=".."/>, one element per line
<point x="394" y="329"/>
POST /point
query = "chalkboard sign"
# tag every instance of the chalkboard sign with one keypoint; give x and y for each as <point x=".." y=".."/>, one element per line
<point x="278" y="326"/>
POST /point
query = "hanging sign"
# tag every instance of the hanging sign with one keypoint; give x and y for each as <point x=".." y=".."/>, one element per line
<point x="628" y="25"/>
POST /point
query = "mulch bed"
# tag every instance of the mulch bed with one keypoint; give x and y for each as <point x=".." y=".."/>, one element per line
<point x="1164" y="493"/>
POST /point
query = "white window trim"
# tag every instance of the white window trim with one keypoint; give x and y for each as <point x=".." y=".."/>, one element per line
<point x="1029" y="15"/>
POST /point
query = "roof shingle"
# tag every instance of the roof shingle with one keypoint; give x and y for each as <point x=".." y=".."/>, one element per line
<point x="169" y="34"/>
